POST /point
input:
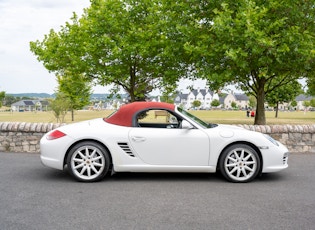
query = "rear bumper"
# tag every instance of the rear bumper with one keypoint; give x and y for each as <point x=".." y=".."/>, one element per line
<point x="52" y="152"/>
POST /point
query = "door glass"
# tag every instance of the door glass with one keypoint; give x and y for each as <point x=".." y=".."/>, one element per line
<point x="157" y="119"/>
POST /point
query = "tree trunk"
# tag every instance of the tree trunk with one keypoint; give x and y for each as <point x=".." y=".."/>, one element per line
<point x="260" y="117"/>
<point x="132" y="96"/>
<point x="72" y="114"/>
<point x="277" y="109"/>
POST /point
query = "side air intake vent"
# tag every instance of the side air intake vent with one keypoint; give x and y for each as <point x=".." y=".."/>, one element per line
<point x="124" y="146"/>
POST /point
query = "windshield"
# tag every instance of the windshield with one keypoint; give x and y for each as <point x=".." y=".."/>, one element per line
<point x="196" y="119"/>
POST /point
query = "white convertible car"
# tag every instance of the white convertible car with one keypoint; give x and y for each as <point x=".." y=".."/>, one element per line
<point x="160" y="137"/>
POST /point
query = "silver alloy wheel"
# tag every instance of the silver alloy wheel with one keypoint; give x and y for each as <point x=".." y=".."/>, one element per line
<point x="241" y="164"/>
<point x="87" y="162"/>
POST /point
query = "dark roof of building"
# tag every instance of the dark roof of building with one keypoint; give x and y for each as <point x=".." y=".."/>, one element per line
<point x="303" y="97"/>
<point x="202" y="91"/>
<point x="30" y="103"/>
<point x="241" y="97"/>
<point x="180" y="96"/>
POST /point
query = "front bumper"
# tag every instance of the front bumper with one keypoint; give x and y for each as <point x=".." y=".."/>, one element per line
<point x="275" y="158"/>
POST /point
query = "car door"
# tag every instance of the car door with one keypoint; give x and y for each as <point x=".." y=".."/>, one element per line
<point x="170" y="146"/>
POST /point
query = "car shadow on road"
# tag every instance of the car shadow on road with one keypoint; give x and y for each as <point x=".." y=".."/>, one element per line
<point x="272" y="177"/>
<point x="165" y="177"/>
<point x="49" y="174"/>
<point x="58" y="175"/>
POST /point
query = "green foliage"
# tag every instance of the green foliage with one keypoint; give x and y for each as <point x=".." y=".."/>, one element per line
<point x="258" y="46"/>
<point x="167" y="98"/>
<point x="119" y="43"/>
<point x="293" y="103"/>
<point x="215" y="103"/>
<point x="9" y="100"/>
<point x="75" y="88"/>
<point x="252" y="101"/>
<point x="311" y="86"/>
<point x="233" y="104"/>
<point x="285" y="93"/>
<point x="196" y="104"/>
<point x="60" y="106"/>
<point x="312" y="102"/>
<point x="2" y="96"/>
<point x="306" y="103"/>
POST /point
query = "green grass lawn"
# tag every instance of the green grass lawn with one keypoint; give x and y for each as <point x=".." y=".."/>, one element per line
<point x="212" y="116"/>
<point x="239" y="117"/>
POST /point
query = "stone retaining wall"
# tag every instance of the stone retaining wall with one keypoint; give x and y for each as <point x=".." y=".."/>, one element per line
<point x="25" y="137"/>
<point x="22" y="136"/>
<point x="297" y="138"/>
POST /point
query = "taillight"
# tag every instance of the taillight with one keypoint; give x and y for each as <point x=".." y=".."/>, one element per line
<point x="55" y="135"/>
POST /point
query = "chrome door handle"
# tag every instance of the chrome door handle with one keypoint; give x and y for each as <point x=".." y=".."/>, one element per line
<point x="138" y="139"/>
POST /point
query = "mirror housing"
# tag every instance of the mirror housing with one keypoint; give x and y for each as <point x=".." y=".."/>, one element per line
<point x="186" y="125"/>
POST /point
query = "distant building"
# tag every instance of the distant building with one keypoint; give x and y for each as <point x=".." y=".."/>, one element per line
<point x="205" y="96"/>
<point x="300" y="99"/>
<point x="30" y="105"/>
<point x="242" y="101"/>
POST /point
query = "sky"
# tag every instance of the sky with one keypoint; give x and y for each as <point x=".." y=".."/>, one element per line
<point x="22" y="21"/>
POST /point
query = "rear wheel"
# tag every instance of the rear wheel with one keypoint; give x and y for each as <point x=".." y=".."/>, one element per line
<point x="239" y="163"/>
<point x="88" y="161"/>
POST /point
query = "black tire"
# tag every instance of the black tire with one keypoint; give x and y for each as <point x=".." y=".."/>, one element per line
<point x="88" y="161"/>
<point x="239" y="163"/>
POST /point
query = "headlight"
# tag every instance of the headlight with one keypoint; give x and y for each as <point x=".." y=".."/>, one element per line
<point x="271" y="139"/>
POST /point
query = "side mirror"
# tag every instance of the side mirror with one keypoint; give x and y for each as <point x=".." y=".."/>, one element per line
<point x="186" y="125"/>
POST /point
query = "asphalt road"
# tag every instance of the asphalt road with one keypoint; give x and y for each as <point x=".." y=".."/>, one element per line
<point x="35" y="197"/>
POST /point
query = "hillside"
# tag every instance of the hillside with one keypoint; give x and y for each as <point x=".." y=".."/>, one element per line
<point x="94" y="96"/>
<point x="32" y="95"/>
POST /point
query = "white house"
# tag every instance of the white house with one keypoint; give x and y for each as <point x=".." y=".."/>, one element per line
<point x="30" y="105"/>
<point x="205" y="96"/>
<point x="300" y="101"/>
<point x="181" y="100"/>
<point x="241" y="100"/>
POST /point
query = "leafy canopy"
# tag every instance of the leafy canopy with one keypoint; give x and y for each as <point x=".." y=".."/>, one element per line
<point x="257" y="46"/>
<point x="115" y="42"/>
<point x="75" y="89"/>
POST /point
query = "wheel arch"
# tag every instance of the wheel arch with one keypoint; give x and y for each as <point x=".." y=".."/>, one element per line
<point x="84" y="140"/>
<point x="244" y="143"/>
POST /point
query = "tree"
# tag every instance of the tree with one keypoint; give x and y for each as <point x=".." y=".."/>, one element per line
<point x="285" y="93"/>
<point x="252" y="101"/>
<point x="311" y="86"/>
<point x="168" y="97"/>
<point x="2" y="96"/>
<point x="196" y="104"/>
<point x="123" y="43"/>
<point x="9" y="100"/>
<point x="306" y="104"/>
<point x="215" y="103"/>
<point x="258" y="46"/>
<point x="60" y="106"/>
<point x="76" y="90"/>
<point x="233" y="105"/>
<point x="293" y="104"/>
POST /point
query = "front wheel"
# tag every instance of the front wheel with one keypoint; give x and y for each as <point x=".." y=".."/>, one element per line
<point x="239" y="163"/>
<point x="88" y="161"/>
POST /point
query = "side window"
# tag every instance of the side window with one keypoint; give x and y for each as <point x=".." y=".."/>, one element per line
<point x="156" y="118"/>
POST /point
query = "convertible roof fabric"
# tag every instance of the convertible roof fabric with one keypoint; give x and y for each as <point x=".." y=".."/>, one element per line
<point x="125" y="113"/>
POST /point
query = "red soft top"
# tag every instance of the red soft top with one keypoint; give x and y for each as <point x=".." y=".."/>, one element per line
<point x="125" y="113"/>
